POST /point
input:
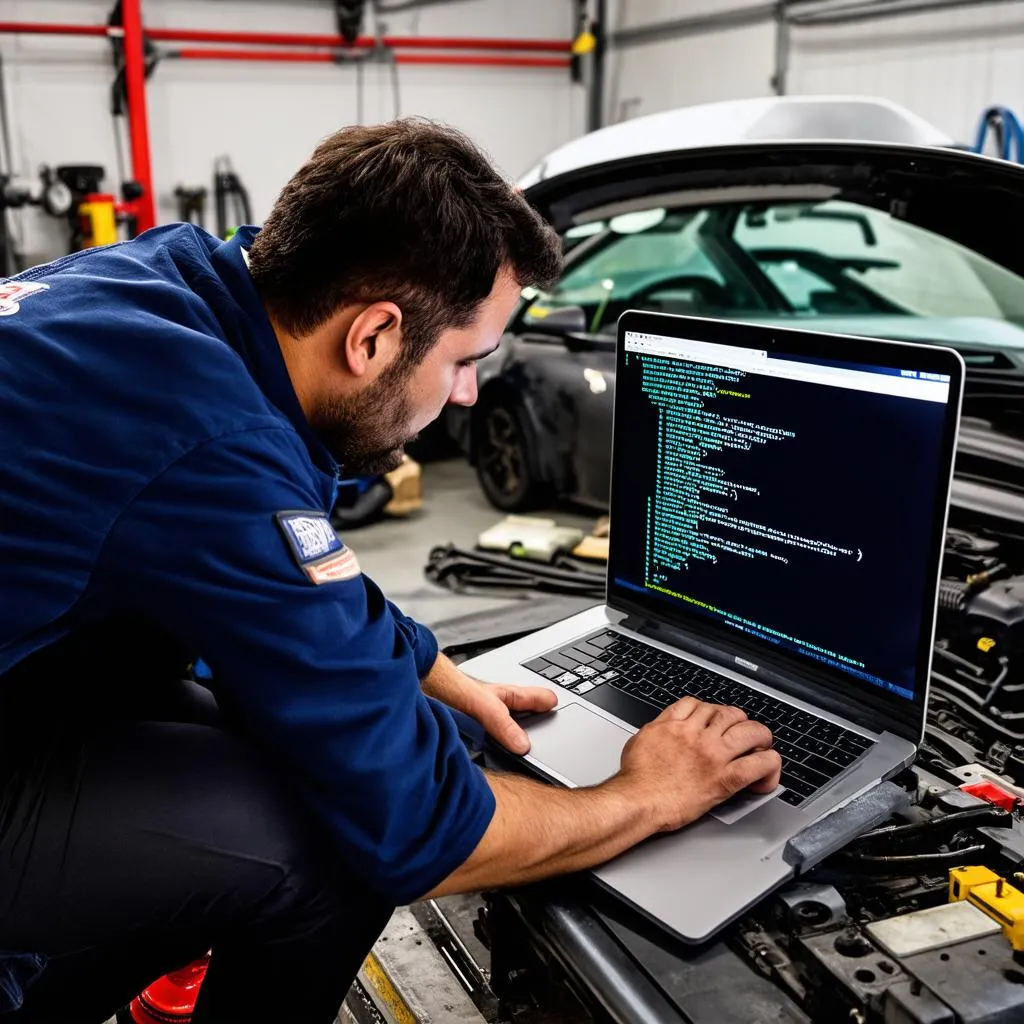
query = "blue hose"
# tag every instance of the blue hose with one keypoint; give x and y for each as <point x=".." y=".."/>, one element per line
<point x="1004" y="122"/>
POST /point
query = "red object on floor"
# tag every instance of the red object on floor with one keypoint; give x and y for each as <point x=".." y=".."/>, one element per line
<point x="172" y="999"/>
<point x="993" y="794"/>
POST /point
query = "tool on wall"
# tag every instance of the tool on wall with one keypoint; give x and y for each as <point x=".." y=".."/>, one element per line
<point x="92" y="213"/>
<point x="191" y="201"/>
<point x="231" y="198"/>
<point x="350" y="19"/>
<point x="47" y="192"/>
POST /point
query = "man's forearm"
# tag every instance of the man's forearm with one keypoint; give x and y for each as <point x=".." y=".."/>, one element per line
<point x="539" y="831"/>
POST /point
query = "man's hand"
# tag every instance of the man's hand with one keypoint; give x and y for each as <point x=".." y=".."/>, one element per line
<point x="692" y="757"/>
<point x="490" y="704"/>
<point x="676" y="768"/>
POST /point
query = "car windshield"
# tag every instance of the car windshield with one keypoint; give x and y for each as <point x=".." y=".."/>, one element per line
<point x="781" y="261"/>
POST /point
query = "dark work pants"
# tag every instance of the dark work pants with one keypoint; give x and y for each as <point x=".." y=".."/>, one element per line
<point x="131" y="846"/>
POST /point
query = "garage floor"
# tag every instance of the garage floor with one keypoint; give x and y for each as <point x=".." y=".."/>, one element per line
<point x="393" y="552"/>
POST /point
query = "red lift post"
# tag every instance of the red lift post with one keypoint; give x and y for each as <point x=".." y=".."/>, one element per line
<point x="144" y="208"/>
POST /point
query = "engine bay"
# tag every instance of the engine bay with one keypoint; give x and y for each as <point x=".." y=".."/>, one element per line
<point x="874" y="934"/>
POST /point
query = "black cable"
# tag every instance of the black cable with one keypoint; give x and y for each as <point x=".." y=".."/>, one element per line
<point x="961" y="688"/>
<point x="458" y="570"/>
<point x="119" y="148"/>
<point x="941" y="690"/>
<point x="986" y="815"/>
<point x="918" y="862"/>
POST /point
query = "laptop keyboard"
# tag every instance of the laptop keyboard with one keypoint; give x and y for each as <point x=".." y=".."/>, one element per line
<point x="634" y="681"/>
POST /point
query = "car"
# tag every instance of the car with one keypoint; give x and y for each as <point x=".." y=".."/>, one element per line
<point x="846" y="215"/>
<point x="843" y="215"/>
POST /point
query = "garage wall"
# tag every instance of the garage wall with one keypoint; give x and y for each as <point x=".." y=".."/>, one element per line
<point x="732" y="64"/>
<point x="268" y="117"/>
<point x="945" y="66"/>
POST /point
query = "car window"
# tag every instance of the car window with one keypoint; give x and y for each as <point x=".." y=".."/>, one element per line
<point x="867" y="256"/>
<point x="800" y="286"/>
<point x="782" y="260"/>
<point x="659" y="262"/>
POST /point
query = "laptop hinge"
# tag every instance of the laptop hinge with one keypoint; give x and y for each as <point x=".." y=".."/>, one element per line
<point x="791" y="681"/>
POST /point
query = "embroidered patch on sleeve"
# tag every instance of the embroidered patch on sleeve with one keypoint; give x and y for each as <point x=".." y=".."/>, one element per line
<point x="316" y="548"/>
<point x="12" y="292"/>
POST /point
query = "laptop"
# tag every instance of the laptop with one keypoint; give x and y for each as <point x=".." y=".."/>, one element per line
<point x="778" y="509"/>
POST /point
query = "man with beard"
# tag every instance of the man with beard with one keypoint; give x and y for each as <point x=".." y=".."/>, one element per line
<point x="174" y="413"/>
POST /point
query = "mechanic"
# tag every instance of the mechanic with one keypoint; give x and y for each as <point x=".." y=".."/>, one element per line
<point x="174" y="413"/>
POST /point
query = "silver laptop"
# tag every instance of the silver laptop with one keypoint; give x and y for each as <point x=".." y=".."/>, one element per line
<point x="778" y="508"/>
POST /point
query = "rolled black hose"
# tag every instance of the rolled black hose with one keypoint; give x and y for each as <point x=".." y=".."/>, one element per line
<point x="952" y="595"/>
<point x="457" y="569"/>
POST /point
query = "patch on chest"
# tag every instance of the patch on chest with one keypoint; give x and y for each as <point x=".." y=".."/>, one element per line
<point x="318" y="551"/>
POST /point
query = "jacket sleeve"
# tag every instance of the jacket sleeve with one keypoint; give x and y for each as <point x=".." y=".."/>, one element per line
<point x="420" y="639"/>
<point x="324" y="674"/>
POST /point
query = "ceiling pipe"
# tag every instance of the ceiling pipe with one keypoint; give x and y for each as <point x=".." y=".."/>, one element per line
<point x="42" y="28"/>
<point x="657" y="32"/>
<point x="849" y="14"/>
<point x="338" y="57"/>
<point x="802" y="13"/>
<point x="296" y="39"/>
<point x="173" y="35"/>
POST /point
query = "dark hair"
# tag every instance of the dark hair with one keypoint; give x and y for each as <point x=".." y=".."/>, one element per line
<point x="410" y="211"/>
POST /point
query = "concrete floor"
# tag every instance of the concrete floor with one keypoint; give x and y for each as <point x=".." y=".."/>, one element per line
<point x="393" y="552"/>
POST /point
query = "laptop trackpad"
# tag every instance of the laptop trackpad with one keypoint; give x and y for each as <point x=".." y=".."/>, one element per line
<point x="584" y="749"/>
<point x="741" y="805"/>
<point x="577" y="745"/>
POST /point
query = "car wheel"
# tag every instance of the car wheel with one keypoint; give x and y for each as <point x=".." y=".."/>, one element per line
<point x="504" y="460"/>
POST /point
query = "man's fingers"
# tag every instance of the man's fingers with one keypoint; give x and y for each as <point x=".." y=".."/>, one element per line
<point x="506" y="731"/>
<point x="759" y="771"/>
<point x="744" y="736"/>
<point x="526" y="698"/>
<point x="681" y="710"/>
<point x="496" y="716"/>
<point x="725" y="717"/>
<point x="702" y="714"/>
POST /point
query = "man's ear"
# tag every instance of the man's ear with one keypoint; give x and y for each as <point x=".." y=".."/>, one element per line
<point x="373" y="339"/>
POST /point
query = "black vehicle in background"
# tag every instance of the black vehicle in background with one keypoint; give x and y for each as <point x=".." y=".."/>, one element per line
<point x="901" y="237"/>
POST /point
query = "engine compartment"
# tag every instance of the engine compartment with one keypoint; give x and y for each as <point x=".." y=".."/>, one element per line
<point x="976" y="705"/>
<point x="874" y="935"/>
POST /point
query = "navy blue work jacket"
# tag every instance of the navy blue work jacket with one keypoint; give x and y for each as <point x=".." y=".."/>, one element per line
<point x="156" y="466"/>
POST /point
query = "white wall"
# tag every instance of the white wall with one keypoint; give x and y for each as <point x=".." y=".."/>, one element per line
<point x="268" y="117"/>
<point x="735" y="63"/>
<point x="947" y="66"/>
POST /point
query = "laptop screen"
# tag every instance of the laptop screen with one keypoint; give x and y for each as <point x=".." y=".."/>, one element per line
<point x="786" y="496"/>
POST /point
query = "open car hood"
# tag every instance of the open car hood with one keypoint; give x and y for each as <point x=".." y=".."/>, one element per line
<point x="974" y="200"/>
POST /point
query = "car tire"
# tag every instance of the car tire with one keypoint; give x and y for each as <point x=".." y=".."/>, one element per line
<point x="505" y="457"/>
